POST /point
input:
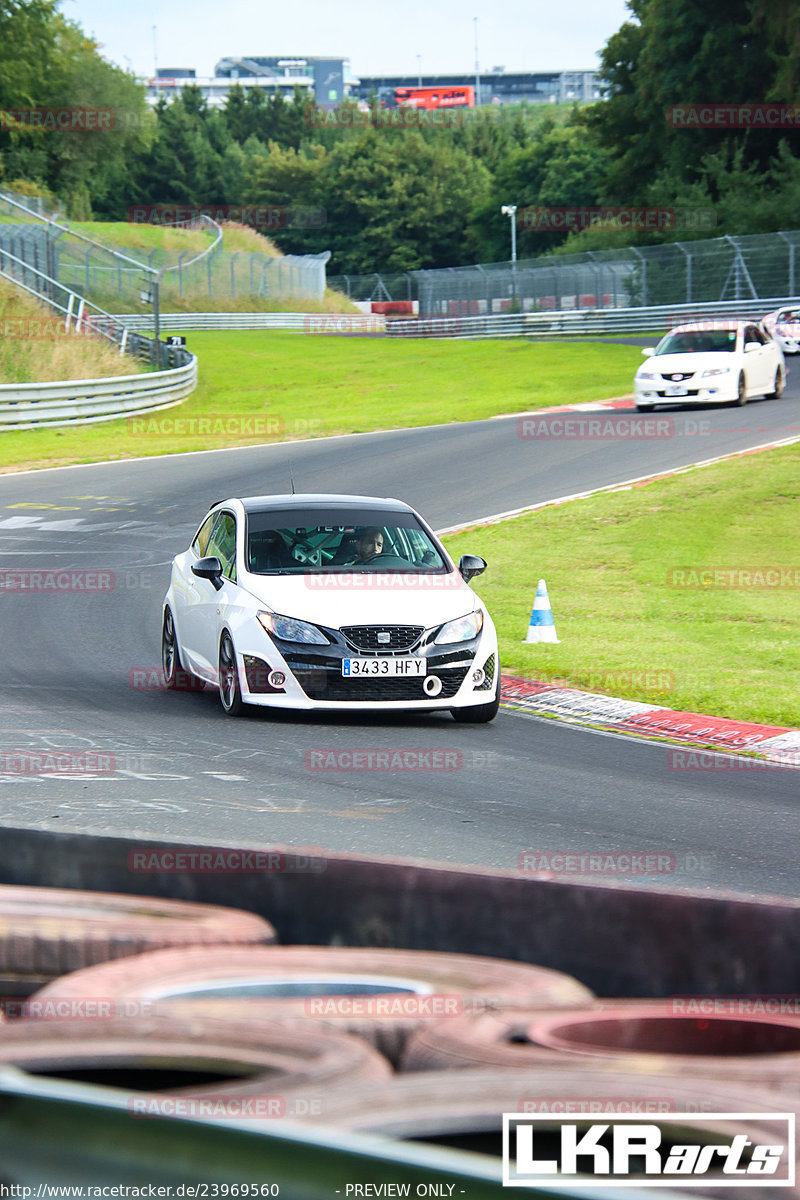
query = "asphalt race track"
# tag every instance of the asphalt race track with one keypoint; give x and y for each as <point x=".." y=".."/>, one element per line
<point x="171" y="766"/>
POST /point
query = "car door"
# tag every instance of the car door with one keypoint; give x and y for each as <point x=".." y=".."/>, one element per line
<point x="757" y="362"/>
<point x="204" y="613"/>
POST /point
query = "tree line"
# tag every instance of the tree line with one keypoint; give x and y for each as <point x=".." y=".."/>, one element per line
<point x="393" y="197"/>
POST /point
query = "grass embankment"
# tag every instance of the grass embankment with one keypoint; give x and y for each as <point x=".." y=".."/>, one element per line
<point x="34" y="347"/>
<point x="625" y="573"/>
<point x="235" y="285"/>
<point x="299" y="385"/>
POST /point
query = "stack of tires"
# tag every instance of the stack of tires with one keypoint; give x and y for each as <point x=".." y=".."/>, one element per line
<point x="191" y="1005"/>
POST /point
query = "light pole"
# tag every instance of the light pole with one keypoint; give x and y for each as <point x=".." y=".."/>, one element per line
<point x="477" y="69"/>
<point x="419" y="70"/>
<point x="510" y="211"/>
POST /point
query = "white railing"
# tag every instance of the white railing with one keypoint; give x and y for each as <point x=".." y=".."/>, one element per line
<point x="84" y="401"/>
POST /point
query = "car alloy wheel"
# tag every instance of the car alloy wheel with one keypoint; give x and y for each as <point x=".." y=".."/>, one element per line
<point x="230" y="692"/>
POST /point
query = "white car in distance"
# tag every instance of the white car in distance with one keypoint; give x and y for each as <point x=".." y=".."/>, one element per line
<point x="784" y="325"/>
<point x="329" y="602"/>
<point x="710" y="362"/>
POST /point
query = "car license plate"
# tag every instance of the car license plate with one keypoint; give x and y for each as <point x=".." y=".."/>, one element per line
<point x="676" y="389"/>
<point x="385" y="667"/>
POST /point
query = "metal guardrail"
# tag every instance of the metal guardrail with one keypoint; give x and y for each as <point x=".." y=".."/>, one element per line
<point x="299" y="322"/>
<point x="84" y="401"/>
<point x="582" y="323"/>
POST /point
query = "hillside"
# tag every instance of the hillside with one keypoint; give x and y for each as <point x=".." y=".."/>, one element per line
<point x="35" y="348"/>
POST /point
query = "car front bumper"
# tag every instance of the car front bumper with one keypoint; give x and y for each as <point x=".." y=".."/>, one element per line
<point x="314" y="677"/>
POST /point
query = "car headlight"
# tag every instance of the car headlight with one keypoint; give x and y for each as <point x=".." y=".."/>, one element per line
<point x="463" y="629"/>
<point x="645" y="375"/>
<point x="717" y="371"/>
<point x="290" y="630"/>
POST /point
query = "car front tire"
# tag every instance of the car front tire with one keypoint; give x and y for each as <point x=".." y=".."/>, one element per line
<point x="230" y="692"/>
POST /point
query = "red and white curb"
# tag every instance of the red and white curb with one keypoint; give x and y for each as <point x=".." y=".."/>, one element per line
<point x="774" y="743"/>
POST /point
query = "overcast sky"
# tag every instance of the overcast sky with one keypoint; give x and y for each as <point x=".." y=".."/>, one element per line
<point x="378" y="36"/>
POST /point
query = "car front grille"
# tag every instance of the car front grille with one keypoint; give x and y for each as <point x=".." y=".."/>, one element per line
<point x="365" y="637"/>
<point x="676" y="376"/>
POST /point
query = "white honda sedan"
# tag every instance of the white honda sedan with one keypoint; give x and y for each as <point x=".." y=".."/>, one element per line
<point x="710" y="362"/>
<point x="329" y="602"/>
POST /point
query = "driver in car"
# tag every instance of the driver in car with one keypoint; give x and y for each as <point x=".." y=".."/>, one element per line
<point x="369" y="544"/>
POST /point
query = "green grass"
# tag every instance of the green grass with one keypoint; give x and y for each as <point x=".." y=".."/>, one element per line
<point x="301" y="385"/>
<point x="608" y="562"/>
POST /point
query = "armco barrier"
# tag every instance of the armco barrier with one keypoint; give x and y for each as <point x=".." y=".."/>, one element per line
<point x="299" y="322"/>
<point x="82" y="401"/>
<point x="582" y="322"/>
<point x="551" y="324"/>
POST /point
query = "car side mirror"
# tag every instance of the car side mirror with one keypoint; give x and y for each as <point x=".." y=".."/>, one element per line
<point x="470" y="565"/>
<point x="751" y="346"/>
<point x="649" y="351"/>
<point x="210" y="569"/>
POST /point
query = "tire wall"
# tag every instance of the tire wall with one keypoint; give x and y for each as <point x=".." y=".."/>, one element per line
<point x="616" y="941"/>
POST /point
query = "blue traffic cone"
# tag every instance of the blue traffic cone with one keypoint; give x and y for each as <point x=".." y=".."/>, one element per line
<point x="542" y="627"/>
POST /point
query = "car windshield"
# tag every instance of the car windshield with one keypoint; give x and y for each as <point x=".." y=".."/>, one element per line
<point x="696" y="341"/>
<point x="293" y="541"/>
<point x="789" y="316"/>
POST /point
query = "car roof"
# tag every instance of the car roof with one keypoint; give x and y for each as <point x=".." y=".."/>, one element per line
<point x="301" y="500"/>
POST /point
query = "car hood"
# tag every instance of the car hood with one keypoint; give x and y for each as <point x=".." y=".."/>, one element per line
<point x="669" y="364"/>
<point x="363" y="599"/>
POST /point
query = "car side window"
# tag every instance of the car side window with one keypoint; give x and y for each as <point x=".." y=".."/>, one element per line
<point x="222" y="543"/>
<point x="751" y="335"/>
<point x="203" y="534"/>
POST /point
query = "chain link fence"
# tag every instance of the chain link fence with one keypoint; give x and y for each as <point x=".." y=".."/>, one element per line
<point x="747" y="267"/>
<point x="119" y="279"/>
